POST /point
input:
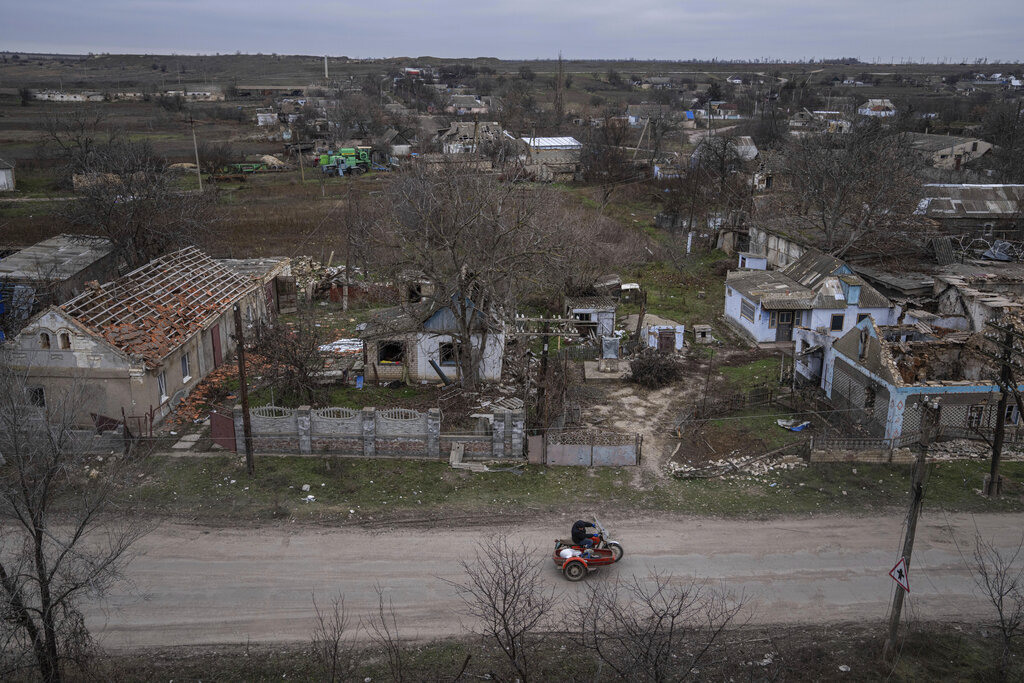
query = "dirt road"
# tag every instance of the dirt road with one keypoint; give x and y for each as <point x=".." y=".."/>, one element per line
<point x="201" y="586"/>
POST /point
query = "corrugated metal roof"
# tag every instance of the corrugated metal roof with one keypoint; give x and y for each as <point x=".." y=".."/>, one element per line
<point x="553" y="143"/>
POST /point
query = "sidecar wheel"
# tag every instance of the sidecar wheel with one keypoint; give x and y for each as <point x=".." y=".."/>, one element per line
<point x="574" y="571"/>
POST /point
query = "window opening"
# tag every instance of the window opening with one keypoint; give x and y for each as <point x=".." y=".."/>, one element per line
<point x="391" y="352"/>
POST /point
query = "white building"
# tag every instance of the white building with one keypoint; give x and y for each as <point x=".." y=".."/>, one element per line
<point x="818" y="292"/>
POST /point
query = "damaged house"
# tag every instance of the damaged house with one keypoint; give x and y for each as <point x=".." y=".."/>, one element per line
<point x="143" y="341"/>
<point x="466" y="137"/>
<point x="400" y="343"/>
<point x="880" y="375"/>
<point x="817" y="293"/>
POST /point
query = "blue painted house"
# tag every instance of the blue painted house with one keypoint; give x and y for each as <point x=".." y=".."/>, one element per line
<point x="881" y="375"/>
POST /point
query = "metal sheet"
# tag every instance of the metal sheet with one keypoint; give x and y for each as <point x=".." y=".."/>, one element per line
<point x="614" y="456"/>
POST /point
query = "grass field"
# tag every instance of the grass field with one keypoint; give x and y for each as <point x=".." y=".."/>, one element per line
<point x="216" y="490"/>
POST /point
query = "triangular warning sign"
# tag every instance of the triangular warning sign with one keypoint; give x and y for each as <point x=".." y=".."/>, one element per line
<point x="899" y="575"/>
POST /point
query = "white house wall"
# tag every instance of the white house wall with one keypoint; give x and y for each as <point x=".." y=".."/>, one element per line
<point x="428" y="347"/>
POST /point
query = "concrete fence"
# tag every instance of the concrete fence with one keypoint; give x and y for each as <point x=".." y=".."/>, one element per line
<point x="372" y="432"/>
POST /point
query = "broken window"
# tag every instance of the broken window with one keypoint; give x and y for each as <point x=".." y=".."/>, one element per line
<point x="448" y="354"/>
<point x="415" y="293"/>
<point x="161" y="382"/>
<point x="861" y="316"/>
<point x="974" y="415"/>
<point x="65" y="341"/>
<point x="1012" y="415"/>
<point x="390" y="352"/>
<point x="747" y="310"/>
<point x="869" y="399"/>
<point x="186" y="368"/>
<point x="44" y="340"/>
<point x="837" y="322"/>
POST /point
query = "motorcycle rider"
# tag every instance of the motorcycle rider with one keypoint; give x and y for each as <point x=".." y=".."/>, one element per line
<point x="580" y="535"/>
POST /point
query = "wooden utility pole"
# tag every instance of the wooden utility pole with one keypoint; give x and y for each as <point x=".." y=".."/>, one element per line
<point x="542" y="408"/>
<point x="195" y="146"/>
<point x="929" y="427"/>
<point x="250" y="463"/>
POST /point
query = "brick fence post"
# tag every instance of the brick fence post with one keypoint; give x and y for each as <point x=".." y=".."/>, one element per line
<point x="302" y="422"/>
<point x="434" y="433"/>
<point x="369" y="432"/>
<point x="236" y="416"/>
<point x="518" y="436"/>
<point x="498" y="433"/>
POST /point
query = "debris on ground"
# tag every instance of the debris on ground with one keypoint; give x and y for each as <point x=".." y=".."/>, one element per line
<point x="733" y="466"/>
<point x="793" y="425"/>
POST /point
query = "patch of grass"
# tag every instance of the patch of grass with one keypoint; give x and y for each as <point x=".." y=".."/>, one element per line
<point x="749" y="427"/>
<point x="751" y="374"/>
<point x="200" y="489"/>
<point x="674" y="293"/>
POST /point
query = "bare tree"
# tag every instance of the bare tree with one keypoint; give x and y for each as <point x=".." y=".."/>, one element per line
<point x="293" y="360"/>
<point x="478" y="243"/>
<point x="57" y="546"/>
<point x="127" y="195"/>
<point x="504" y="593"/>
<point x="333" y="647"/>
<point x="652" y="630"/>
<point x="214" y="156"/>
<point x="383" y="630"/>
<point x="847" y="186"/>
<point x="604" y="159"/>
<point x="1000" y="576"/>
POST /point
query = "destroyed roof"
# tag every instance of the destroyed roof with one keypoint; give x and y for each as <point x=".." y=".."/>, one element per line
<point x="256" y="268"/>
<point x="970" y="201"/>
<point x="468" y="130"/>
<point x="926" y="142"/>
<point x="5" y="164"/>
<point x="57" y="258"/>
<point x="156" y="308"/>
<point x="822" y="273"/>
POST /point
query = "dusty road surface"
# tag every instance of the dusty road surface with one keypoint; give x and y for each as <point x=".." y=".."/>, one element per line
<point x="200" y="586"/>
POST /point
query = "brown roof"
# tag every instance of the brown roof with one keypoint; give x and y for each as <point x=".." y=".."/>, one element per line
<point x="156" y="308"/>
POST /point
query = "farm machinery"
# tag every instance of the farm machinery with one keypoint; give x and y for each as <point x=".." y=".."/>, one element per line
<point x="354" y="160"/>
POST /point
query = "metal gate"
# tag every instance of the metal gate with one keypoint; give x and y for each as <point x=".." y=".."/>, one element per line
<point x="592" y="448"/>
<point x="222" y="430"/>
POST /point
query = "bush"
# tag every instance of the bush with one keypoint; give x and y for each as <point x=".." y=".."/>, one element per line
<point x="654" y="370"/>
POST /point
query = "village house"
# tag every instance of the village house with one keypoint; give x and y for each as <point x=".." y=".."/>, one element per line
<point x="595" y="314"/>
<point x="50" y="272"/>
<point x="880" y="375"/>
<point x="990" y="210"/>
<point x="139" y="344"/>
<point x="947" y="151"/>
<point x="400" y="342"/>
<point x="465" y="137"/>
<point x="551" y="159"/>
<point x="467" y="104"/>
<point x="879" y="108"/>
<point x="817" y="292"/>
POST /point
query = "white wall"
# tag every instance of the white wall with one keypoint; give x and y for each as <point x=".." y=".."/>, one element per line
<point x="428" y="347"/>
<point x="823" y="318"/>
<point x="758" y="329"/>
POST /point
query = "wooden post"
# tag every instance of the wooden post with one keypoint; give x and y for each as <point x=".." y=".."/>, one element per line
<point x="250" y="463"/>
<point x="929" y="425"/>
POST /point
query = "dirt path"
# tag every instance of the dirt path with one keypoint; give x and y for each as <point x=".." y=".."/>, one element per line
<point x="199" y="586"/>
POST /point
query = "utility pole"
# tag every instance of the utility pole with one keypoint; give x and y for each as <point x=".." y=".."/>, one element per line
<point x="929" y="427"/>
<point x="250" y="463"/>
<point x="195" y="147"/>
<point x="542" y="407"/>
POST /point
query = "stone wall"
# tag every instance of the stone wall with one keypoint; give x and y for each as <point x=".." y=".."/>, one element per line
<point x="390" y="432"/>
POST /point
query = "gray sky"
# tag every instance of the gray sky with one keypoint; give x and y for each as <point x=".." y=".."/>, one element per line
<point x="527" y="29"/>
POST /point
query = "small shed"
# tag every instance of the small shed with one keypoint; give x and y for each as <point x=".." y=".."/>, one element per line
<point x="659" y="333"/>
<point x="753" y="261"/>
<point x="702" y="334"/>
<point x="6" y="176"/>
<point x="596" y="314"/>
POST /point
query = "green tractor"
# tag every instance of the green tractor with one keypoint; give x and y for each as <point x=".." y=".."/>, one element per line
<point x="354" y="160"/>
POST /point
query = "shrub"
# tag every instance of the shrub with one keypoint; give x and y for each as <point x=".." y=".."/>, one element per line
<point x="654" y="370"/>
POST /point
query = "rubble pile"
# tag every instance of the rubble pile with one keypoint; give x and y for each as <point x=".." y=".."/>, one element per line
<point x="728" y="467"/>
<point x="960" y="449"/>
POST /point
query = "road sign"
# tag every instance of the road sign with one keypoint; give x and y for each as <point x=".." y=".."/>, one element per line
<point x="899" y="575"/>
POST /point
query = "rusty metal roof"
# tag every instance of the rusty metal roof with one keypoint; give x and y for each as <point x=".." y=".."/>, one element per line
<point x="156" y="308"/>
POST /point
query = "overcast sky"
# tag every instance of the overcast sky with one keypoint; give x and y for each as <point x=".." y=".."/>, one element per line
<point x="529" y="29"/>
